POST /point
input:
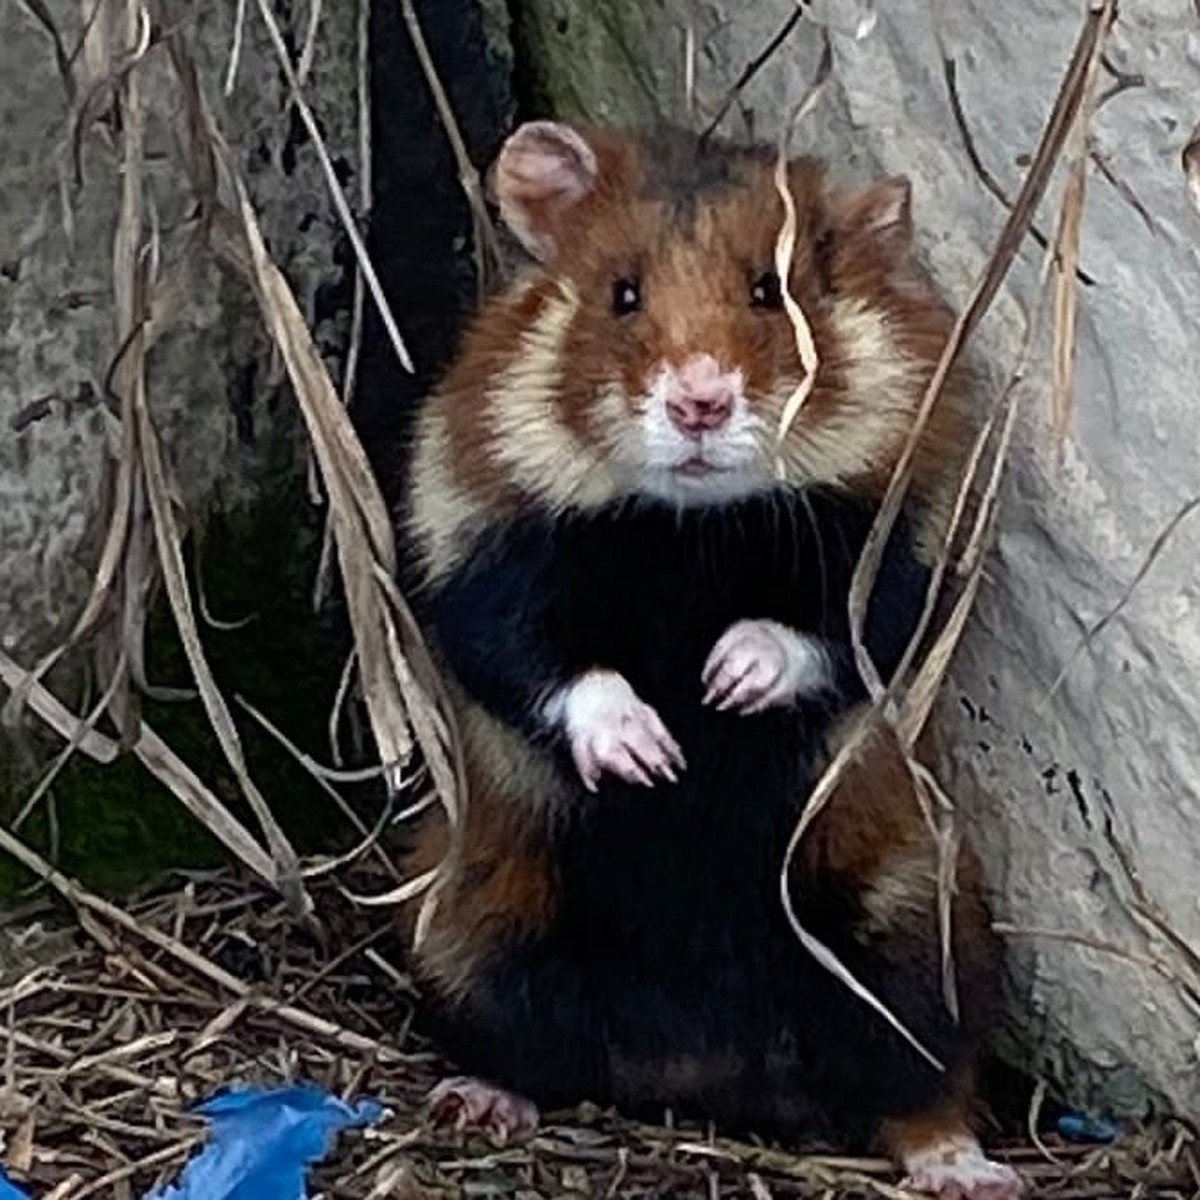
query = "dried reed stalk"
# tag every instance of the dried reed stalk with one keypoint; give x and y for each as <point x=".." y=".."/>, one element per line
<point x="883" y="712"/>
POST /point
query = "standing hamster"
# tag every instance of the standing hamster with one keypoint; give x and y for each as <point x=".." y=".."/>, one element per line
<point x="639" y="594"/>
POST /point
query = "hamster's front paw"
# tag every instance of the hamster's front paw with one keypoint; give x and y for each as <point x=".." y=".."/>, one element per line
<point x="611" y="729"/>
<point x="757" y="665"/>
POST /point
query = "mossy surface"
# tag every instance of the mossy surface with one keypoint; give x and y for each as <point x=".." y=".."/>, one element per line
<point x="116" y="828"/>
<point x="588" y="62"/>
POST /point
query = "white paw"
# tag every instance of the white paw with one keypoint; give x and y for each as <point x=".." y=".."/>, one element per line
<point x="462" y="1102"/>
<point x="959" y="1170"/>
<point x="757" y="665"/>
<point x="611" y="730"/>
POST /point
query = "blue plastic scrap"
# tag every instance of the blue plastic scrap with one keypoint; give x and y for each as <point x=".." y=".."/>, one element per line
<point x="1079" y="1127"/>
<point x="9" y="1190"/>
<point x="263" y="1141"/>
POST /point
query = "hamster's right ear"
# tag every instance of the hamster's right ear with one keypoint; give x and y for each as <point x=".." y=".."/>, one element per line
<point x="543" y="169"/>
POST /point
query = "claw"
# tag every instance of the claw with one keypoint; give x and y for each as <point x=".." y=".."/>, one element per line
<point x="757" y="665"/>
<point x="462" y="1102"/>
<point x="612" y="731"/>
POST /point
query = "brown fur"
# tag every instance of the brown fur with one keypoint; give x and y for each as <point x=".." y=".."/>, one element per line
<point x="879" y="328"/>
<point x="872" y="311"/>
<point x="954" y="1119"/>
<point x="873" y="834"/>
<point x="497" y="881"/>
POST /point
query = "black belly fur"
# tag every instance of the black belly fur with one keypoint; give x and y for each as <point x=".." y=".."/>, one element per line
<point x="671" y="953"/>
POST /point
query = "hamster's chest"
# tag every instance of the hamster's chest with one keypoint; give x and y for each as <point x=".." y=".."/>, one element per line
<point x="649" y="593"/>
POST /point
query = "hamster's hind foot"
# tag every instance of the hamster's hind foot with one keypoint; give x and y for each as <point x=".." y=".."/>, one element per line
<point x="957" y="1169"/>
<point x="462" y="1102"/>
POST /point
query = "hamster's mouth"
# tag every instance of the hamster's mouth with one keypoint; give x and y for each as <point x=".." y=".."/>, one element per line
<point x="697" y="467"/>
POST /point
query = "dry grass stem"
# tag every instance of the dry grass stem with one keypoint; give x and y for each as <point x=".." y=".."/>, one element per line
<point x="1097" y="627"/>
<point x="235" y="50"/>
<point x="74" y="742"/>
<point x="1066" y="295"/>
<point x="1032" y="1121"/>
<point x="308" y="51"/>
<point x="1068" y="107"/>
<point x="335" y="188"/>
<point x="56" y="714"/>
<point x="339" y="707"/>
<point x="751" y="69"/>
<point x="487" y="250"/>
<point x="689" y="73"/>
<point x="311" y="765"/>
<point x="785" y="244"/>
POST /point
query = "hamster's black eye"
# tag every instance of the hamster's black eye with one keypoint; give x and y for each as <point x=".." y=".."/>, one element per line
<point x="765" y="292"/>
<point x="626" y="297"/>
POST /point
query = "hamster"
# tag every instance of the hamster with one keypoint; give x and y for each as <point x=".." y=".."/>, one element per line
<point x="638" y="594"/>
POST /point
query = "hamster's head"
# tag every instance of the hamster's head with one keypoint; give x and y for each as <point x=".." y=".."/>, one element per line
<point x="653" y="352"/>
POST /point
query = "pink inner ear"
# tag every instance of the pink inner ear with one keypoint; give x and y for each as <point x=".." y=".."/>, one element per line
<point x="544" y="161"/>
<point x="886" y="206"/>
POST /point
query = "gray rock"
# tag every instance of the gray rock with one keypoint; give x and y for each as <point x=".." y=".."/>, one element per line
<point x="1052" y="782"/>
<point x="210" y="376"/>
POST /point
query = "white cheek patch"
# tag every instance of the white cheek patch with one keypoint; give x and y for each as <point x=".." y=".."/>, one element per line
<point x="528" y="436"/>
<point x="881" y="390"/>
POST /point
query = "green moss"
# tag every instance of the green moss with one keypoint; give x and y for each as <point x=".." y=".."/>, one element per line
<point x="118" y="828"/>
<point x="587" y="62"/>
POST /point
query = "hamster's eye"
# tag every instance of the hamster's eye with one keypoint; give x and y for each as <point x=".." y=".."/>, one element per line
<point x="626" y="297"/>
<point x="765" y="292"/>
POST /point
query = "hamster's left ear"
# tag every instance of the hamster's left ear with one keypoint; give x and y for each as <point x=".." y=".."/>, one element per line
<point x="878" y="215"/>
<point x="544" y="169"/>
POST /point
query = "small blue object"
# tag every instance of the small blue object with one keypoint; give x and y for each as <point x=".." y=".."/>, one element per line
<point x="1079" y="1127"/>
<point x="263" y="1141"/>
<point x="9" y="1190"/>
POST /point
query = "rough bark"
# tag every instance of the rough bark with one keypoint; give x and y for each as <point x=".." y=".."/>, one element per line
<point x="211" y="381"/>
<point x="218" y="396"/>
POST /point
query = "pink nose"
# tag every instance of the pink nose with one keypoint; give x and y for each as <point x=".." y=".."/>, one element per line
<point x="698" y="411"/>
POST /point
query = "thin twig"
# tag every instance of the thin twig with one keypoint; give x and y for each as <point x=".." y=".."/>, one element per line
<point x="486" y="246"/>
<point x="751" y="69"/>
<point x="334" y="187"/>
<point x="1097" y="627"/>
